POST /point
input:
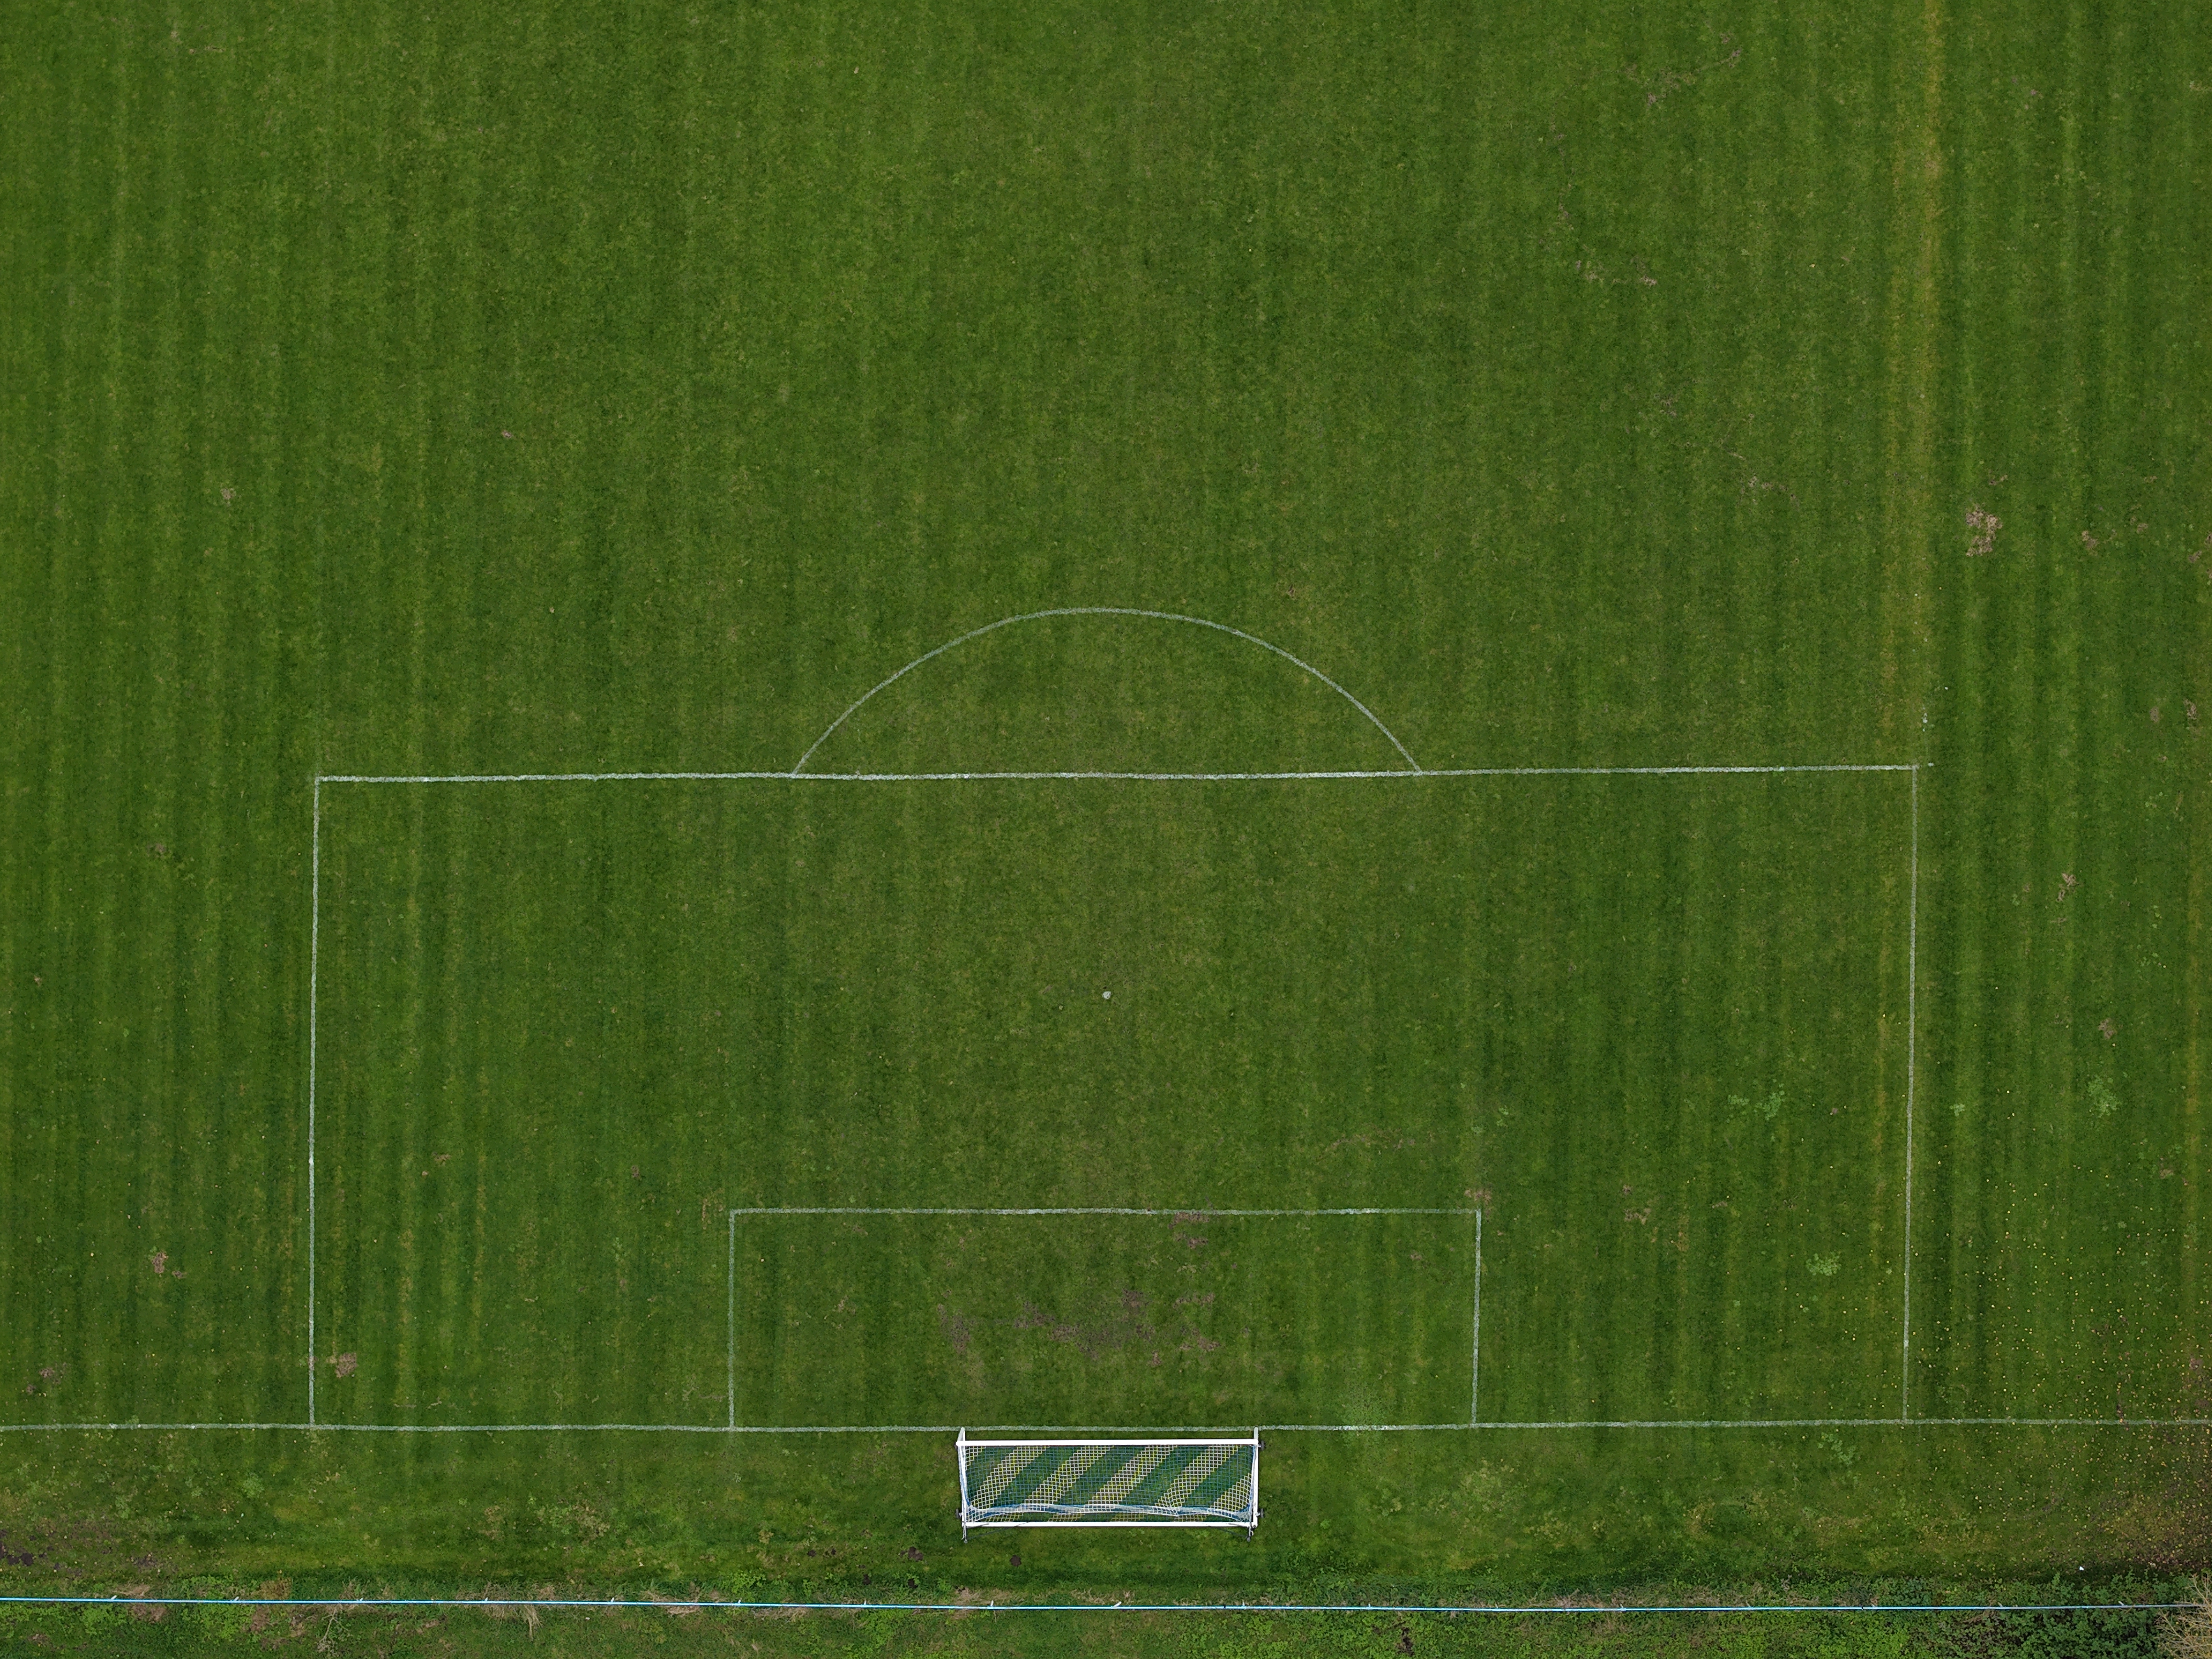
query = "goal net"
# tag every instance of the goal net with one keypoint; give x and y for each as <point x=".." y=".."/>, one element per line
<point x="1109" y="1483"/>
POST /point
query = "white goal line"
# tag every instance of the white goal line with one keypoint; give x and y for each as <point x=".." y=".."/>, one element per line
<point x="1251" y="1438"/>
<point x="1050" y="1429"/>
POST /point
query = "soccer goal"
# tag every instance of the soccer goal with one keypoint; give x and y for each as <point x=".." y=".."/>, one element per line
<point x="1109" y="1483"/>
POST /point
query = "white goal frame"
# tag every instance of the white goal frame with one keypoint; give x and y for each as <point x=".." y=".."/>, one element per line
<point x="1096" y="1512"/>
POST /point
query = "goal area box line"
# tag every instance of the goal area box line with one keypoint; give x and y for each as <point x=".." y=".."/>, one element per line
<point x="314" y="1417"/>
<point x="1180" y="1212"/>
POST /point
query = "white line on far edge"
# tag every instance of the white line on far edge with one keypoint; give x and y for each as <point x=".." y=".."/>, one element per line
<point x="1127" y="1430"/>
<point x="1130" y="777"/>
<point x="732" y="1380"/>
<point x="1475" y="1394"/>
<point x="314" y="953"/>
<point x="1912" y="1031"/>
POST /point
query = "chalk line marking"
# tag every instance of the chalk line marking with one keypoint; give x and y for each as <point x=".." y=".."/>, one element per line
<point x="731" y="1396"/>
<point x="1127" y="1429"/>
<point x="551" y="1603"/>
<point x="1195" y="1211"/>
<point x="1475" y="1394"/>
<point x="1912" y="1031"/>
<point x="1120" y="777"/>
<point x="1196" y="1214"/>
<point x="1412" y="765"/>
<point x="313" y="959"/>
<point x="314" y="956"/>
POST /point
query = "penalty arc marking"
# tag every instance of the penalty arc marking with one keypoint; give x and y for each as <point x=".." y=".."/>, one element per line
<point x="1107" y="611"/>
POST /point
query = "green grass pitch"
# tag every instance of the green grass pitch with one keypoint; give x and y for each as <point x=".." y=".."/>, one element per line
<point x="1581" y="1168"/>
<point x="626" y="1022"/>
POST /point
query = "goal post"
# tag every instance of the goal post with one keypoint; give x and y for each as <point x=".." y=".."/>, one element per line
<point x="1163" y="1482"/>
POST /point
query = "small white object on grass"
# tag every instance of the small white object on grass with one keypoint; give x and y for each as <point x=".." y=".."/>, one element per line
<point x="1108" y="995"/>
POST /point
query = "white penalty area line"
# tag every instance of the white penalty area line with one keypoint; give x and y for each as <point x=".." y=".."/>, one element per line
<point x="1125" y="777"/>
<point x="730" y="1386"/>
<point x="314" y="958"/>
<point x="1411" y="772"/>
<point x="1474" y="1389"/>
<point x="1911" y="1032"/>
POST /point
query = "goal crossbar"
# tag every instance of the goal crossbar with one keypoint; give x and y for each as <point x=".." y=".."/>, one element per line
<point x="1209" y="1481"/>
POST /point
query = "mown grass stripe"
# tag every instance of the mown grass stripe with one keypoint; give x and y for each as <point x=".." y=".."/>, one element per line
<point x="805" y="365"/>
